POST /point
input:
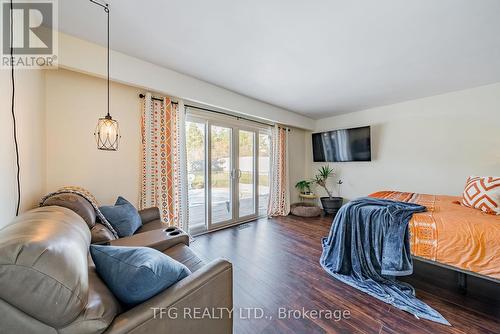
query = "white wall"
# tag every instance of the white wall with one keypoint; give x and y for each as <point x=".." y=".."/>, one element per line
<point x="29" y="103"/>
<point x="428" y="145"/>
<point x="74" y="103"/>
<point x="82" y="56"/>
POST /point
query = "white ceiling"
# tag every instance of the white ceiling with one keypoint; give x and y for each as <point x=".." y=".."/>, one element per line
<point x="318" y="58"/>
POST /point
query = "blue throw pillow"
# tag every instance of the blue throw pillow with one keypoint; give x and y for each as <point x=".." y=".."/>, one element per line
<point x="135" y="274"/>
<point x="123" y="216"/>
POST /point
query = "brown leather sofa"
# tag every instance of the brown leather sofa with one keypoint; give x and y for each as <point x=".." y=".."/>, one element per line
<point x="48" y="282"/>
<point x="100" y="233"/>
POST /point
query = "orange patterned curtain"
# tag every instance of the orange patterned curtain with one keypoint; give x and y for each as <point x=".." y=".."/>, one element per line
<point x="163" y="160"/>
<point x="279" y="197"/>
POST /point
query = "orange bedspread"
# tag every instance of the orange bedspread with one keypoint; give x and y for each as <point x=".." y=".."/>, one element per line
<point x="452" y="234"/>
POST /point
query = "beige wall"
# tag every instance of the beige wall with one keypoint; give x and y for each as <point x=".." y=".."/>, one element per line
<point x="57" y="112"/>
<point x="428" y="145"/>
<point x="74" y="102"/>
<point x="29" y="104"/>
<point x="299" y="159"/>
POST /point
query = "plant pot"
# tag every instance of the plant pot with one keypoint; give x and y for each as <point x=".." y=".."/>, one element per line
<point x="331" y="205"/>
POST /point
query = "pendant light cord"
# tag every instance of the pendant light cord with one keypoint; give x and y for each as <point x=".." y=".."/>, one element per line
<point x="106" y="9"/>
<point x="18" y="173"/>
<point x="105" y="6"/>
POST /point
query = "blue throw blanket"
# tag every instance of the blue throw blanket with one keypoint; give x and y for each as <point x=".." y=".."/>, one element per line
<point x="368" y="246"/>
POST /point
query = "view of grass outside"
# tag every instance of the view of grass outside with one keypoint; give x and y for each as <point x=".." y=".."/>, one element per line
<point x="264" y="170"/>
<point x="221" y="205"/>
<point x="220" y="165"/>
<point x="195" y="141"/>
<point x="221" y="179"/>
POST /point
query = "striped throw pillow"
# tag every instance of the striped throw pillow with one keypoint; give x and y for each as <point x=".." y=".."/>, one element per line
<point x="482" y="193"/>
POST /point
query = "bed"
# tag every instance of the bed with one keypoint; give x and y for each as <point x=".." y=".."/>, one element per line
<point x="451" y="235"/>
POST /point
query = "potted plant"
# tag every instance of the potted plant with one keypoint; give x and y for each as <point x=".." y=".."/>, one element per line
<point x="304" y="187"/>
<point x="330" y="203"/>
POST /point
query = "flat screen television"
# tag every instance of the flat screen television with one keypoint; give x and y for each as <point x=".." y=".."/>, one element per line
<point x="342" y="145"/>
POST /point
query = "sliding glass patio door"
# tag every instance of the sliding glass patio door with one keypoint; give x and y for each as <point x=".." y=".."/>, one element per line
<point x="221" y="175"/>
<point x="245" y="174"/>
<point x="225" y="182"/>
<point x="196" y="151"/>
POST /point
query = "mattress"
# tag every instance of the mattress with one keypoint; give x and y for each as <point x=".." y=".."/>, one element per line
<point x="452" y="234"/>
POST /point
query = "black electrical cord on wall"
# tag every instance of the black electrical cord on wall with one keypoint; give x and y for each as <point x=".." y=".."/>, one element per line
<point x="18" y="174"/>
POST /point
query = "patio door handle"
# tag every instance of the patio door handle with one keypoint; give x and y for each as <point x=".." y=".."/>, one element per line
<point x="236" y="173"/>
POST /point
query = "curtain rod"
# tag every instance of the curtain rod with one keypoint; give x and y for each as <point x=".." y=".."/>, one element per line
<point x="214" y="111"/>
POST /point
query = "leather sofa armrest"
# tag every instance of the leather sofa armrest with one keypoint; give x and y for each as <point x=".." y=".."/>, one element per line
<point x="149" y="214"/>
<point x="179" y="309"/>
<point x="157" y="239"/>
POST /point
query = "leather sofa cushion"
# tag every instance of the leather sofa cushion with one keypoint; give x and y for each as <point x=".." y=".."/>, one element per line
<point x="186" y="256"/>
<point x="101" y="309"/>
<point x="152" y="225"/>
<point x="149" y="214"/>
<point x="43" y="261"/>
<point x="76" y="203"/>
<point x="12" y="320"/>
<point x="100" y="234"/>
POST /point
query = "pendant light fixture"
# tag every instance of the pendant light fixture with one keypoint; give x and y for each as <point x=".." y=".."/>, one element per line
<point x="107" y="132"/>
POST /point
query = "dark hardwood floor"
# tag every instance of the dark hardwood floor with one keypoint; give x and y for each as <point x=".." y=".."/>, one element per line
<point x="276" y="265"/>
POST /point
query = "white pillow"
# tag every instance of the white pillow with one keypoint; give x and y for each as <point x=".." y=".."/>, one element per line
<point x="483" y="193"/>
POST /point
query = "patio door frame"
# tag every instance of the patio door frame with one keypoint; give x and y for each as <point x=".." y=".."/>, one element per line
<point x="235" y="125"/>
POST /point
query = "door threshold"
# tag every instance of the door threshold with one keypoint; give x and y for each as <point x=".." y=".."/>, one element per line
<point x="228" y="226"/>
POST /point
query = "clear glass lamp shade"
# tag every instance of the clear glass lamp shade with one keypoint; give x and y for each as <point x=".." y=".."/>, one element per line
<point x="107" y="134"/>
